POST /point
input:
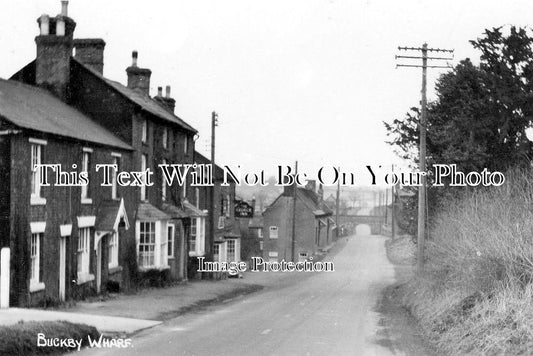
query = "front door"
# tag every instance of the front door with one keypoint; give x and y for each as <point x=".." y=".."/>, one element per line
<point x="62" y="266"/>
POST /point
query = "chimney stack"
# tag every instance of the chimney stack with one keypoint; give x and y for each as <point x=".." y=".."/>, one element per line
<point x="167" y="101"/>
<point x="311" y="185"/>
<point x="138" y="78"/>
<point x="64" y="8"/>
<point x="90" y="51"/>
<point x="54" y="49"/>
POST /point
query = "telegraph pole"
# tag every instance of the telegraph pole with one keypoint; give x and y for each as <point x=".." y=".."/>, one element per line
<point x="209" y="250"/>
<point x="423" y="128"/>
<point x="337" y="206"/>
<point x="293" y="237"/>
<point x="393" y="212"/>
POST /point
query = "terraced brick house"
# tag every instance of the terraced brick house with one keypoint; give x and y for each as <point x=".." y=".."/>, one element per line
<point x="61" y="109"/>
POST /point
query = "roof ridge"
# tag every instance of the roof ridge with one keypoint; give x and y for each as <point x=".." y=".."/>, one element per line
<point x="113" y="83"/>
<point x="25" y="115"/>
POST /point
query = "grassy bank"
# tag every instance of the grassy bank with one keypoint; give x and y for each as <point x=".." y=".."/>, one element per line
<point x="21" y="339"/>
<point x="475" y="295"/>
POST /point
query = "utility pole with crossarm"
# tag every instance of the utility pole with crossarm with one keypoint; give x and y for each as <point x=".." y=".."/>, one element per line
<point x="422" y="127"/>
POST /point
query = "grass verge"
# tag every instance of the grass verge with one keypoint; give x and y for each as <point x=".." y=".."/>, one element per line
<point x="21" y="339"/>
<point x="475" y="295"/>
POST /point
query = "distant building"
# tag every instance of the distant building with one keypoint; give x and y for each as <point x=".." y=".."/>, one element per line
<point x="312" y="228"/>
<point x="225" y="244"/>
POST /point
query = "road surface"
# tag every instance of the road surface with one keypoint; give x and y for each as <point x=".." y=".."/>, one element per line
<point x="317" y="314"/>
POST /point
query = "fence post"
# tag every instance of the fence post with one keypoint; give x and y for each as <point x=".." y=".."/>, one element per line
<point x="4" y="277"/>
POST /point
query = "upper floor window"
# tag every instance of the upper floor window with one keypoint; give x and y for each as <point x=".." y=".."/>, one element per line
<point x="221" y="222"/>
<point x="165" y="138"/>
<point x="163" y="185"/>
<point x="197" y="197"/>
<point x="86" y="167"/>
<point x="184" y="188"/>
<point x="144" y="131"/>
<point x="114" y="186"/>
<point x="144" y="160"/>
<point x="186" y="145"/>
<point x="273" y="232"/>
<point x="36" y="158"/>
<point x="228" y="205"/>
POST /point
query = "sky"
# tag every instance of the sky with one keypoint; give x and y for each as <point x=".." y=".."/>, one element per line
<point x="308" y="81"/>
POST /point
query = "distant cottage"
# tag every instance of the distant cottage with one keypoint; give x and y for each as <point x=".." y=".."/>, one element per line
<point x="311" y="230"/>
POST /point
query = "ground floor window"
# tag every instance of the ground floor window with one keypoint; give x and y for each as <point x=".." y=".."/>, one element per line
<point x="152" y="244"/>
<point x="35" y="256"/>
<point x="230" y="250"/>
<point x="192" y="235"/>
<point x="216" y="252"/>
<point x="170" y="240"/>
<point x="113" y="250"/>
<point x="147" y="244"/>
<point x="273" y="256"/>
<point x="197" y="237"/>
<point x="84" y="241"/>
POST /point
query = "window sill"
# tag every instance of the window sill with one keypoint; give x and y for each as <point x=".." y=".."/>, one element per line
<point x="84" y="278"/>
<point x="86" y="201"/>
<point x="114" y="269"/>
<point x="196" y="254"/>
<point x="158" y="268"/>
<point x="36" y="286"/>
<point x="37" y="201"/>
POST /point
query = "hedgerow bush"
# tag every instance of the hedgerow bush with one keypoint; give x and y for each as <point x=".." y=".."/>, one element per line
<point x="475" y="293"/>
<point x="21" y="339"/>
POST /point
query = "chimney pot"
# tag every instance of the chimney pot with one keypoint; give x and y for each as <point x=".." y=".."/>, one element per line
<point x="159" y="91"/>
<point x="134" y="56"/>
<point x="45" y="25"/>
<point x="168" y="91"/>
<point x="60" y="27"/>
<point x="64" y="8"/>
<point x="138" y="78"/>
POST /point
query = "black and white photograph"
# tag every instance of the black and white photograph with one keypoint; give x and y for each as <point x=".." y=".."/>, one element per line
<point x="251" y="177"/>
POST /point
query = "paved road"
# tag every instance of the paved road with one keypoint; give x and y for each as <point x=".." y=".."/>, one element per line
<point x="320" y="314"/>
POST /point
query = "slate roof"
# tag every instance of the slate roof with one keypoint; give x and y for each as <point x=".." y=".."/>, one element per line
<point x="173" y="211"/>
<point x="309" y="199"/>
<point x="108" y="213"/>
<point x="201" y="159"/>
<point x="191" y="210"/>
<point x="33" y="108"/>
<point x="187" y="211"/>
<point x="144" y="101"/>
<point x="149" y="212"/>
